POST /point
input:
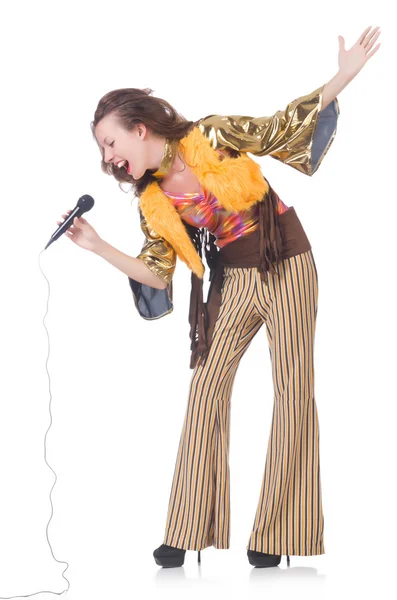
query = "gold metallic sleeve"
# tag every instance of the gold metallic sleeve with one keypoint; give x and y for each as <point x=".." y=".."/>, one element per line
<point x="299" y="136"/>
<point x="157" y="253"/>
<point x="160" y="257"/>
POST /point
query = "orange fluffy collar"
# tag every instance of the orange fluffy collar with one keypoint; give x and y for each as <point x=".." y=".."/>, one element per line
<point x="236" y="182"/>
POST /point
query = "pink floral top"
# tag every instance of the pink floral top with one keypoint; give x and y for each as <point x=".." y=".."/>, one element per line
<point x="203" y="209"/>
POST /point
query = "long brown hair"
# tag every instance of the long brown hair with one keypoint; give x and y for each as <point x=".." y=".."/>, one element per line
<point x="132" y="106"/>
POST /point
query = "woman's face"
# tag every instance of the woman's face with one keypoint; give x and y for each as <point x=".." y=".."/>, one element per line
<point x="141" y="150"/>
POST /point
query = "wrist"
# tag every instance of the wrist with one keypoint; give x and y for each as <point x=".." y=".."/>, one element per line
<point x="100" y="247"/>
<point x="345" y="77"/>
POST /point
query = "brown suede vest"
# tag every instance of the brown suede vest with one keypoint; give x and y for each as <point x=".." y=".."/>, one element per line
<point x="279" y="236"/>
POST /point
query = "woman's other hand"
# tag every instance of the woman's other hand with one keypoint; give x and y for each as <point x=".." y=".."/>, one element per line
<point x="352" y="61"/>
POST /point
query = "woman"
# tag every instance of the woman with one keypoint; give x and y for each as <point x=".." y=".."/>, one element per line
<point x="199" y="192"/>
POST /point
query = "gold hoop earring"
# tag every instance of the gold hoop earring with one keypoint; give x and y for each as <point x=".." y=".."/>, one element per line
<point x="170" y="149"/>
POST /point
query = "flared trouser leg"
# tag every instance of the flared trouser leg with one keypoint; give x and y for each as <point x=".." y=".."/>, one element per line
<point x="199" y="506"/>
<point x="289" y="516"/>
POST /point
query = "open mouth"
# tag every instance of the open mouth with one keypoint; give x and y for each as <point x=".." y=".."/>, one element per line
<point x="124" y="164"/>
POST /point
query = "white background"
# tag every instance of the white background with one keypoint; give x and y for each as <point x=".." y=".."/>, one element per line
<point x="117" y="385"/>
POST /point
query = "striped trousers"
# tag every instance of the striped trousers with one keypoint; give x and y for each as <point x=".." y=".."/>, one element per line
<point x="289" y="517"/>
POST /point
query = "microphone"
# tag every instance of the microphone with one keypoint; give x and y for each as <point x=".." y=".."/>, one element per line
<point x="84" y="203"/>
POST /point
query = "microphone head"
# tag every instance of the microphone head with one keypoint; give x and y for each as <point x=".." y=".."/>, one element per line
<point x="85" y="203"/>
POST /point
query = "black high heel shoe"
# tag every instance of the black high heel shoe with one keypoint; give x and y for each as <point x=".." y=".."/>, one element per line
<point x="168" y="556"/>
<point x="261" y="559"/>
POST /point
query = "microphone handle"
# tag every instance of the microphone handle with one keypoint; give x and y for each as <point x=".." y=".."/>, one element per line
<point x="77" y="212"/>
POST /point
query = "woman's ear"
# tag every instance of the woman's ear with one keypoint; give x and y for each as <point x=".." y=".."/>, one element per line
<point x="141" y="129"/>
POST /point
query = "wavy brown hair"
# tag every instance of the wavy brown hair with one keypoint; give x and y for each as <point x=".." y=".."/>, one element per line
<point x="132" y="106"/>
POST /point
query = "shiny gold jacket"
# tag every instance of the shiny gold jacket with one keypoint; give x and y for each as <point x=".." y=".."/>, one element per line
<point x="299" y="136"/>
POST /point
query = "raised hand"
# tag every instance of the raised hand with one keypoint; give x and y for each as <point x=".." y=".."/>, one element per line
<point x="352" y="61"/>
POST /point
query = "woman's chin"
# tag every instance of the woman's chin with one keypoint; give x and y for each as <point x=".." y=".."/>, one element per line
<point x="137" y="176"/>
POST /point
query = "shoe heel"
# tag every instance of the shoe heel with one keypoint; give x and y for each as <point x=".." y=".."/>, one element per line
<point x="199" y="558"/>
<point x="287" y="560"/>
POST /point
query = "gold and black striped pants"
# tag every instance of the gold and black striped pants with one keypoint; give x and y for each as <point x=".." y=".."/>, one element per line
<point x="289" y="517"/>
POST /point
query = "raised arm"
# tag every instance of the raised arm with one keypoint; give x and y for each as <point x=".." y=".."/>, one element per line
<point x="299" y="136"/>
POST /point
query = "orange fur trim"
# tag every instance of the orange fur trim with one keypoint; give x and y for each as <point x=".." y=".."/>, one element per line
<point x="236" y="182"/>
<point x="161" y="215"/>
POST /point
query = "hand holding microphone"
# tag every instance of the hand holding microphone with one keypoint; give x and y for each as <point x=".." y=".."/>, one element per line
<point x="82" y="233"/>
<point x="76" y="228"/>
